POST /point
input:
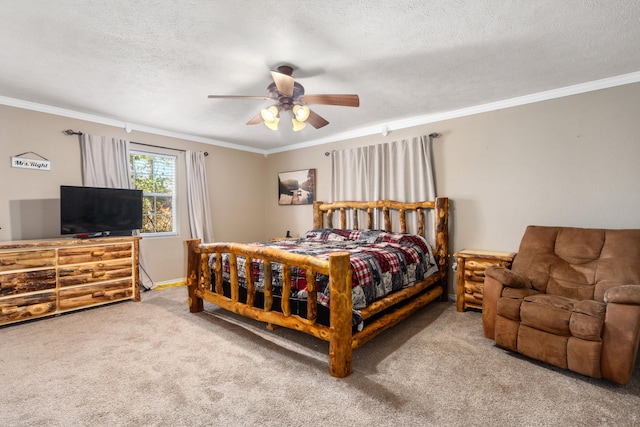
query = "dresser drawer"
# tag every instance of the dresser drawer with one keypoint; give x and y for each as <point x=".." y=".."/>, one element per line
<point x="94" y="272"/>
<point x="81" y="296"/>
<point x="77" y="255"/>
<point x="27" y="281"/>
<point x="18" y="308"/>
<point x="23" y="260"/>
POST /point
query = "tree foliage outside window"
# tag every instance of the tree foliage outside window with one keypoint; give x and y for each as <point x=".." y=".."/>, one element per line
<point x="154" y="174"/>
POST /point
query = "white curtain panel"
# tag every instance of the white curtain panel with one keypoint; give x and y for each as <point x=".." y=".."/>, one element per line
<point x="198" y="197"/>
<point x="399" y="170"/>
<point x="411" y="168"/>
<point x="357" y="174"/>
<point x="105" y="163"/>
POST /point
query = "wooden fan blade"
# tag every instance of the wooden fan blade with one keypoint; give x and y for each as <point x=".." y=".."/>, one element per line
<point x="316" y="120"/>
<point x="257" y="119"/>
<point x="241" y="97"/>
<point x="283" y="82"/>
<point x="343" y="100"/>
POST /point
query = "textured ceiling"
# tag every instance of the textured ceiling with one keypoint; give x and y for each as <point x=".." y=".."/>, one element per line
<point x="153" y="63"/>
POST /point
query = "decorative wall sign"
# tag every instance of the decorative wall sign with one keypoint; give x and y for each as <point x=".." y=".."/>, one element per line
<point x="22" y="162"/>
<point x="297" y="187"/>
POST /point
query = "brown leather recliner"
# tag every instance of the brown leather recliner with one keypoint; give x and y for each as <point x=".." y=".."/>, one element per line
<point x="571" y="299"/>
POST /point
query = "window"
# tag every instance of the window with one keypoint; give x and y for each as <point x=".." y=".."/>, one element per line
<point x="155" y="175"/>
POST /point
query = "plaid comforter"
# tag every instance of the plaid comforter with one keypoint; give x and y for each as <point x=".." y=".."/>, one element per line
<point x="382" y="262"/>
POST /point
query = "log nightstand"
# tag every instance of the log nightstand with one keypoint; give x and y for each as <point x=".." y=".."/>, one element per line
<point x="470" y="274"/>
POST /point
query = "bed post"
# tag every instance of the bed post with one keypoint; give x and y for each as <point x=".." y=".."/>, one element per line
<point x="340" y="339"/>
<point x="193" y="276"/>
<point x="442" y="241"/>
<point x="317" y="215"/>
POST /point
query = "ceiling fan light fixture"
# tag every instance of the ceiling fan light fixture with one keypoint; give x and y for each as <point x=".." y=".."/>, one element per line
<point x="301" y="112"/>
<point x="288" y="95"/>
<point x="298" y="125"/>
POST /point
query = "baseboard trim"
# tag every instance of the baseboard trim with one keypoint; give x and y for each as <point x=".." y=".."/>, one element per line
<point x="169" y="284"/>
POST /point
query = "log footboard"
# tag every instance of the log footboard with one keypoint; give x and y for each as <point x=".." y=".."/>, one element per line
<point x="337" y="267"/>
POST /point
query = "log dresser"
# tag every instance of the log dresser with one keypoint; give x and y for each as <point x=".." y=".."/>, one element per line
<point x="470" y="274"/>
<point x="41" y="278"/>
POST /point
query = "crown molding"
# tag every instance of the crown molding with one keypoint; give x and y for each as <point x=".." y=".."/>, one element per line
<point x="369" y="130"/>
<point x="42" y="108"/>
<point x="469" y="111"/>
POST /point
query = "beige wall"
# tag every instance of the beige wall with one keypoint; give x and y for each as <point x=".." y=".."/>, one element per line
<point x="29" y="199"/>
<point x="570" y="161"/>
<point x="573" y="161"/>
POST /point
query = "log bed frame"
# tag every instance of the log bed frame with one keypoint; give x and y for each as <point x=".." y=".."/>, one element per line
<point x="342" y="339"/>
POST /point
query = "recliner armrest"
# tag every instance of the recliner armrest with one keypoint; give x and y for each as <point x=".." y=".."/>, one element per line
<point x="507" y="277"/>
<point x="624" y="294"/>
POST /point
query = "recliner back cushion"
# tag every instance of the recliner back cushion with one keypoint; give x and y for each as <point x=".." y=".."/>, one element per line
<point x="578" y="263"/>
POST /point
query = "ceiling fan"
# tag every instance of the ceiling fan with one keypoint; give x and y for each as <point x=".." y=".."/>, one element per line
<point x="289" y="95"/>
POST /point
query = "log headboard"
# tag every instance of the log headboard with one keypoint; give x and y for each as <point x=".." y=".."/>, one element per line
<point x="349" y="213"/>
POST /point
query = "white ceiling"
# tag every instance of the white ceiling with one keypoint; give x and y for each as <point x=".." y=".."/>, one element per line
<point x="152" y="63"/>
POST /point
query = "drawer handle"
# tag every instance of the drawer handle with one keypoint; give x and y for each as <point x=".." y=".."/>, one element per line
<point x="98" y="252"/>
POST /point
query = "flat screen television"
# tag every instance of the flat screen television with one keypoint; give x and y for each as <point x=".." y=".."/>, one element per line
<point x="92" y="211"/>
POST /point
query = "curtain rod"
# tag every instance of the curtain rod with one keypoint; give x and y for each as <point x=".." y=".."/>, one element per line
<point x="431" y="135"/>
<point x="206" y="153"/>
<point x="73" y="132"/>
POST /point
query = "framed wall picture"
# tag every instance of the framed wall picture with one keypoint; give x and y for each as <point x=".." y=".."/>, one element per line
<point x="297" y="187"/>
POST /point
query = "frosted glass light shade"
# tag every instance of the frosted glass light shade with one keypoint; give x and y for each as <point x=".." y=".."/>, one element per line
<point x="270" y="117"/>
<point x="301" y="112"/>
<point x="298" y="125"/>
<point x="273" y="124"/>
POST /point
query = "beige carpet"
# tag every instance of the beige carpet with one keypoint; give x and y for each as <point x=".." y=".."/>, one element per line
<point x="153" y="363"/>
